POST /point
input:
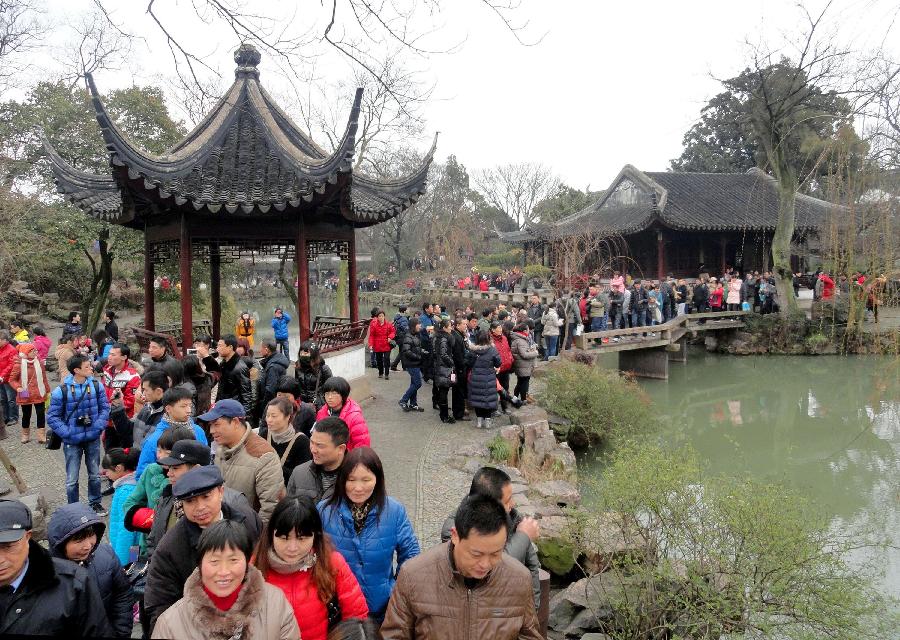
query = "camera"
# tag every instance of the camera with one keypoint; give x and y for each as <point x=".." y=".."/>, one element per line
<point x="83" y="421"/>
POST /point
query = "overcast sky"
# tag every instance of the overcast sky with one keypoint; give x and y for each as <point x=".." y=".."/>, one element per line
<point x="610" y="83"/>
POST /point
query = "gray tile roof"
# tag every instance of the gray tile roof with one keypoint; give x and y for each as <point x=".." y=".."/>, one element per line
<point x="688" y="201"/>
<point x="245" y="157"/>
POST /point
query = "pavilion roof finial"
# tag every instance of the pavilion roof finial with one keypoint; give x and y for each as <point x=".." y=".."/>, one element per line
<point x="247" y="58"/>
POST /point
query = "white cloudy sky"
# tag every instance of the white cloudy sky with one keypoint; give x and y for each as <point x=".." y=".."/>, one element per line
<point x="609" y="84"/>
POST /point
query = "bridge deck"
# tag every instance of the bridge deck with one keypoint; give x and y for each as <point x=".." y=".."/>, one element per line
<point x="661" y="335"/>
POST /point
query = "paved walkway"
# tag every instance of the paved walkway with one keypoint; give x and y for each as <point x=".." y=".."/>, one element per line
<point x="414" y="448"/>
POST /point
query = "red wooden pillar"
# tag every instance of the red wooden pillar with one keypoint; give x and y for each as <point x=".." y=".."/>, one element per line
<point x="149" y="277"/>
<point x="184" y="268"/>
<point x="302" y="283"/>
<point x="215" y="289"/>
<point x="353" y="287"/>
<point x="660" y="255"/>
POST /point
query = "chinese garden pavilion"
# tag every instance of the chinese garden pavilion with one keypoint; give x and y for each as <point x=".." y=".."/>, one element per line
<point x="245" y="181"/>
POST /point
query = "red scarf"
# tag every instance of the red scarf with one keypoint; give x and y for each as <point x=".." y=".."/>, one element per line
<point x="223" y="603"/>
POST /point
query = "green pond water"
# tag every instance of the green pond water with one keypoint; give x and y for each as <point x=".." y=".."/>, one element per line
<point x="828" y="427"/>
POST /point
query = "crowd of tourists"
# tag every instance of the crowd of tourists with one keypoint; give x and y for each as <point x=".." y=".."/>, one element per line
<point x="469" y="358"/>
<point x="253" y="506"/>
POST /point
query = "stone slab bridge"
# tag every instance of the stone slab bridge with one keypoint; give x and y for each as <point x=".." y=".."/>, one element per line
<point x="647" y="351"/>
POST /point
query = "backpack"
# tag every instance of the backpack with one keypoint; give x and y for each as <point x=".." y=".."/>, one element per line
<point x="65" y="398"/>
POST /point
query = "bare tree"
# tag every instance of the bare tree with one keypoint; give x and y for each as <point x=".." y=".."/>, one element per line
<point x="359" y="30"/>
<point x="784" y="94"/>
<point x="516" y="188"/>
<point x="96" y="45"/>
<point x="882" y="108"/>
<point x="21" y="29"/>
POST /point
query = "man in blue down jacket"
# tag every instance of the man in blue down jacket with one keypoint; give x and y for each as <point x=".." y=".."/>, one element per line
<point x="280" y="323"/>
<point x="79" y="525"/>
<point x="78" y="414"/>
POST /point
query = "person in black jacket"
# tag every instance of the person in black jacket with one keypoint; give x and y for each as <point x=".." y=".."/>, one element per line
<point x="484" y="361"/>
<point x="411" y="357"/>
<point x="234" y="382"/>
<point x="201" y="492"/>
<point x="41" y="595"/>
<point x="274" y="366"/>
<point x="75" y="533"/>
<point x="111" y="328"/>
<point x="443" y="367"/>
<point x="162" y="360"/>
<point x="311" y="372"/>
<point x="459" y="348"/>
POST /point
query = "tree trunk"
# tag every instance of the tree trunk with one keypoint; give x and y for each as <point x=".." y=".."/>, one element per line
<point x="784" y="229"/>
<point x="95" y="302"/>
<point x="286" y="281"/>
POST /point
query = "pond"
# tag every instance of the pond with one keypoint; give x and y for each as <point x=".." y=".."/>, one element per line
<point x="829" y="427"/>
<point x="321" y="304"/>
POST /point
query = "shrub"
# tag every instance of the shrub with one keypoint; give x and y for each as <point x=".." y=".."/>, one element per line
<point x="499" y="450"/>
<point x="730" y="556"/>
<point x="600" y="404"/>
<point x="537" y="272"/>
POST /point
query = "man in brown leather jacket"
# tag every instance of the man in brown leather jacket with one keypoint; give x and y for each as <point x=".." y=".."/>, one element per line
<point x="465" y="589"/>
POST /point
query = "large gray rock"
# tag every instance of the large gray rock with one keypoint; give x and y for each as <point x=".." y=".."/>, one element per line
<point x="527" y="414"/>
<point x="533" y="431"/>
<point x="40" y="514"/>
<point x="560" y="492"/>
<point x="562" y="458"/>
<point x="544" y="445"/>
<point x="585" y="604"/>
<point x="609" y="540"/>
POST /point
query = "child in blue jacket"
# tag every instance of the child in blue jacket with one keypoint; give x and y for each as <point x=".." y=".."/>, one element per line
<point x="177" y="405"/>
<point x="119" y="465"/>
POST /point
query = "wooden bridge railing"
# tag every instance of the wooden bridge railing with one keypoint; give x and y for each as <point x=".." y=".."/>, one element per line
<point x="546" y="296"/>
<point x="668" y="332"/>
<point x="332" y="333"/>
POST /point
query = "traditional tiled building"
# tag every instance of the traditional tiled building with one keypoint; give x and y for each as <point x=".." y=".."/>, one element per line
<point x="674" y="223"/>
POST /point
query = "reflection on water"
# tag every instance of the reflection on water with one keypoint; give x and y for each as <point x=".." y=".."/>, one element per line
<point x="826" y="426"/>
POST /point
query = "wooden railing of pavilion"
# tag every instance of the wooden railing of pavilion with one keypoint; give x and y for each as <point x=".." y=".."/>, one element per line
<point x="333" y="333"/>
<point x="173" y="335"/>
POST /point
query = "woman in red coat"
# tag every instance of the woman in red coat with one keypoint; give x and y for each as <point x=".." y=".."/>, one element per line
<point x="294" y="555"/>
<point x="381" y="334"/>
<point x="29" y="379"/>
<point x="501" y="344"/>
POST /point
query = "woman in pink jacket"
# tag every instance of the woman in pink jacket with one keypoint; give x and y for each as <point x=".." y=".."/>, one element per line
<point x="381" y="336"/>
<point x="338" y="403"/>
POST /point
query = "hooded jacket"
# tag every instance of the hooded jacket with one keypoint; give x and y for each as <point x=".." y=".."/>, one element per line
<point x="63" y="419"/>
<point x="261" y="611"/>
<point x="401" y="324"/>
<point x="524" y="355"/>
<point x="253" y="468"/>
<point x="484" y="359"/>
<point x="551" y="322"/>
<point x="102" y="564"/>
<point x="311" y="381"/>
<point x="351" y="413"/>
<point x="175" y="559"/>
<point x="300" y="591"/>
<point x="56" y="598"/>
<point x="370" y="554"/>
<point x="431" y="600"/>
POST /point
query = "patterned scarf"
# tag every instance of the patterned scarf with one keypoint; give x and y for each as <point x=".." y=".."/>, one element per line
<point x="173" y="424"/>
<point x="360" y="512"/>
<point x="286" y="568"/>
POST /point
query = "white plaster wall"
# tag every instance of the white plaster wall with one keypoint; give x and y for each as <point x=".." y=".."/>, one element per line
<point x="349" y="363"/>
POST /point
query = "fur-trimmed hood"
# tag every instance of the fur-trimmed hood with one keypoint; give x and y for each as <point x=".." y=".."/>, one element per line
<point x="225" y="624"/>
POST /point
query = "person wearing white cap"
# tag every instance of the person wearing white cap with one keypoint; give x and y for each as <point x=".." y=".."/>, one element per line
<point x="41" y="595"/>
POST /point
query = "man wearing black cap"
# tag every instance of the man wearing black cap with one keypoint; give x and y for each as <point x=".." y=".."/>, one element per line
<point x="201" y="491"/>
<point x="40" y="595"/>
<point x="186" y="455"/>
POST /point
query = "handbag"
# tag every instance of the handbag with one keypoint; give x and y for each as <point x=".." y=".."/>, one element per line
<point x="579" y="329"/>
<point x="54" y="442"/>
<point x="745" y="306"/>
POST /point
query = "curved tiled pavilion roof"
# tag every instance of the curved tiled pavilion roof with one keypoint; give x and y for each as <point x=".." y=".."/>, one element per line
<point x="684" y="201"/>
<point x="246" y="158"/>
